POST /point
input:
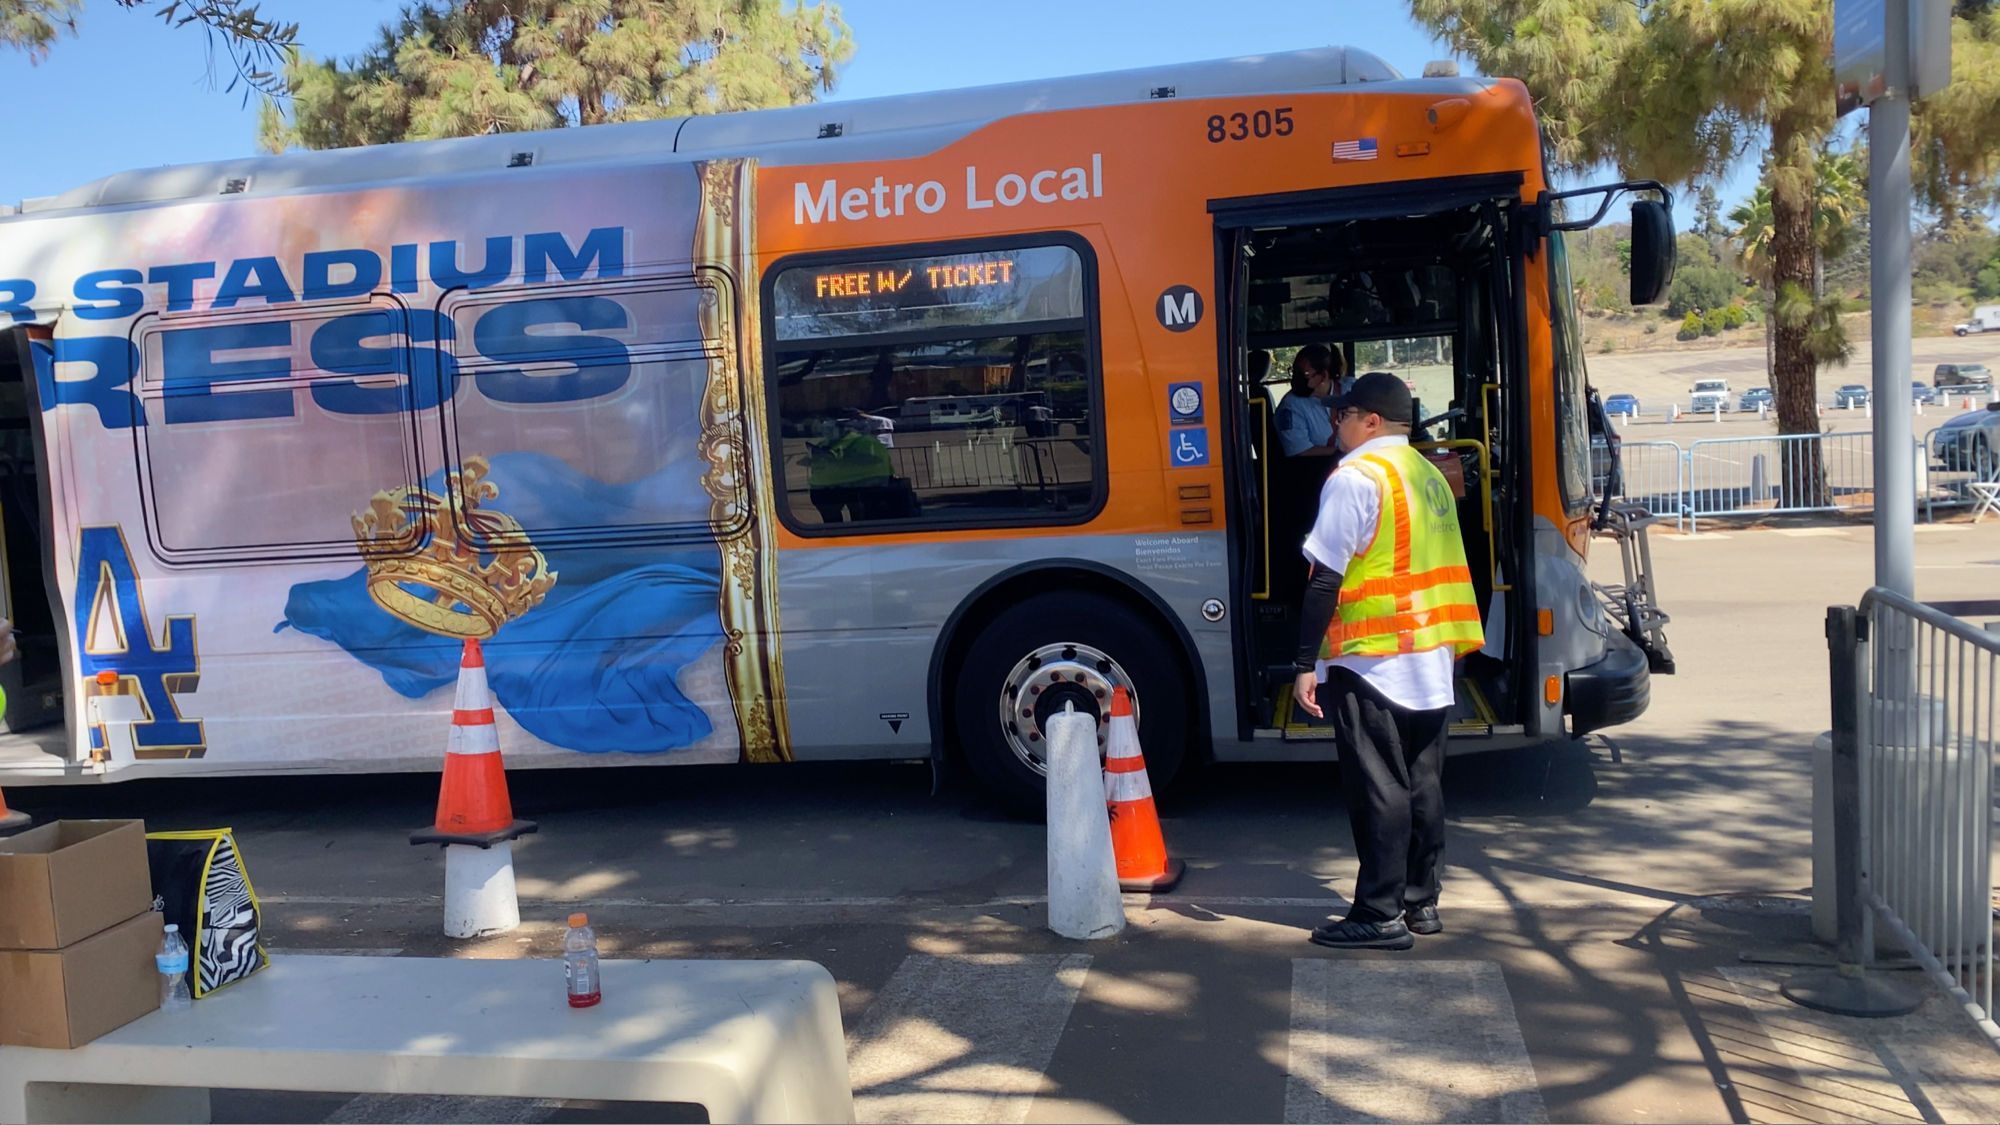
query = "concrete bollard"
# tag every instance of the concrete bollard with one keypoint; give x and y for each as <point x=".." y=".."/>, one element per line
<point x="1675" y="416"/>
<point x="1083" y="872"/>
<point x="1718" y="412"/>
<point x="1760" y="483"/>
<point x="1762" y="411"/>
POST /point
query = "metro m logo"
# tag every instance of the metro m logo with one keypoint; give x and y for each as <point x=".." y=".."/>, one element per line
<point x="1179" y="308"/>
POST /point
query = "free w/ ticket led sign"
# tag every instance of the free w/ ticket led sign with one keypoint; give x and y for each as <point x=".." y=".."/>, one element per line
<point x="935" y="291"/>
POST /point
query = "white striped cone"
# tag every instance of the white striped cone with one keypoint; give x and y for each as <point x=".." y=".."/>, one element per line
<point x="472" y="729"/>
<point x="472" y="800"/>
<point x="1136" y="839"/>
<point x="475" y="818"/>
<point x="1122" y="744"/>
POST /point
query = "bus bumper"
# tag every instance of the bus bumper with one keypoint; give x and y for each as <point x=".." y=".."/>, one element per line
<point x="1614" y="690"/>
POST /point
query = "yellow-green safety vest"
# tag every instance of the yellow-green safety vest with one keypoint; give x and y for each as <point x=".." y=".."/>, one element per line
<point x="1409" y="589"/>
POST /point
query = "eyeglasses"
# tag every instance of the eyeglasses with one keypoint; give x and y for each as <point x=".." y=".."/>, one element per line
<point x="1347" y="412"/>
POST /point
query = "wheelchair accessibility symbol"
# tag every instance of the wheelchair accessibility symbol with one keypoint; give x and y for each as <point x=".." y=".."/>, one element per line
<point x="1190" y="449"/>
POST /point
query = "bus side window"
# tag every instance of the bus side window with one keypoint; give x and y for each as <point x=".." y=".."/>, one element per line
<point x="249" y="449"/>
<point x="948" y="389"/>
<point x="595" y="392"/>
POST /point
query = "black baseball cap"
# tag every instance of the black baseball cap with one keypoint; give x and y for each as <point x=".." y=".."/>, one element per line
<point x="1378" y="392"/>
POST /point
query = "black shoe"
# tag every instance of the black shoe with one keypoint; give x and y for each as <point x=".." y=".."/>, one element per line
<point x="1392" y="934"/>
<point x="1423" y="920"/>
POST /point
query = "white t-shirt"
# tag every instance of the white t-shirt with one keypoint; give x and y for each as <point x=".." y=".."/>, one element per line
<point x="1349" y="505"/>
<point x="1303" y="422"/>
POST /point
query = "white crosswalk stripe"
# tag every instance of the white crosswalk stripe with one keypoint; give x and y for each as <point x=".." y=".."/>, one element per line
<point x="962" y="1039"/>
<point x="1405" y="1041"/>
<point x="967" y="1038"/>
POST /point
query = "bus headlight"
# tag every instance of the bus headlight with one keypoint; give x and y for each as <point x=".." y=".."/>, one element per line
<point x="1591" y="611"/>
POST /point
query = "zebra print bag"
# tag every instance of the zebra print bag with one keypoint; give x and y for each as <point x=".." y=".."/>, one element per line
<point x="200" y="884"/>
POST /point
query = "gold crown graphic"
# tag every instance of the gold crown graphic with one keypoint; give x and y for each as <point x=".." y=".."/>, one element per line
<point x="456" y="578"/>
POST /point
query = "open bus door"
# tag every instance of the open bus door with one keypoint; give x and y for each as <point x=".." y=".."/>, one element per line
<point x="33" y="681"/>
<point x="1423" y="280"/>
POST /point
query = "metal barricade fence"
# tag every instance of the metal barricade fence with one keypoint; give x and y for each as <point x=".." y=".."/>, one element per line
<point x="1927" y="684"/>
<point x="1779" y="473"/>
<point x="1652" y="475"/>
<point x="1951" y="466"/>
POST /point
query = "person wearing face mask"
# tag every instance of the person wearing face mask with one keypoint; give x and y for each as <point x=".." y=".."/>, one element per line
<point x="1388" y="610"/>
<point x="1304" y="427"/>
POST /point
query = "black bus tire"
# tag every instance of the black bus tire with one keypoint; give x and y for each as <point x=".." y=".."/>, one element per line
<point x="1094" y="644"/>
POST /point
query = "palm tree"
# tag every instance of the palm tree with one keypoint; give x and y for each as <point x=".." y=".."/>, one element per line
<point x="1838" y="197"/>
<point x="1752" y="234"/>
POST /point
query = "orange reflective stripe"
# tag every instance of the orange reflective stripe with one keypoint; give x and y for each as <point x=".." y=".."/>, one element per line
<point x="1398" y="584"/>
<point x="1403" y="624"/>
<point x="1388" y="605"/>
<point x="1399" y="504"/>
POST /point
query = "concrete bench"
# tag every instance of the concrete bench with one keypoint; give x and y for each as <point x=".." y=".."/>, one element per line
<point x="749" y="1040"/>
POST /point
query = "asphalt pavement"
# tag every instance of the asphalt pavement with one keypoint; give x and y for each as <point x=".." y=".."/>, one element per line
<point x="1600" y="901"/>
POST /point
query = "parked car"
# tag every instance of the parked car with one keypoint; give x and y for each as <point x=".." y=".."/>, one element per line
<point x="1708" y="395"/>
<point x="1853" y="394"/>
<point x="1962" y="377"/>
<point x="1754" y="398"/>
<point x="1627" y="405"/>
<point x="1921" y="393"/>
<point x="1970" y="443"/>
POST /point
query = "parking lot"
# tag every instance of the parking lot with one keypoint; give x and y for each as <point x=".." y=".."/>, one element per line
<point x="1665" y="378"/>
<point x="1599" y="902"/>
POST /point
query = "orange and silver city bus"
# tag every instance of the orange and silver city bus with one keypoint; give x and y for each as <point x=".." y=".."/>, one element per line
<point x="868" y="429"/>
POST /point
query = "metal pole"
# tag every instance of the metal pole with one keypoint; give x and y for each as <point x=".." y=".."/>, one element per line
<point x="1848" y="989"/>
<point x="1889" y="309"/>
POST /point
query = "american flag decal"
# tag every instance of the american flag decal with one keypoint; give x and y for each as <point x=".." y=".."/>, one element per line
<point x="1363" y="149"/>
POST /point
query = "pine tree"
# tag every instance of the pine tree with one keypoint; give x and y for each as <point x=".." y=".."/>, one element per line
<point x="1677" y="90"/>
<point x="253" y="43"/>
<point x="454" y="68"/>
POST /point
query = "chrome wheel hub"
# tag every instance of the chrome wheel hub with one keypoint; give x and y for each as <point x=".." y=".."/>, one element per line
<point x="1045" y="681"/>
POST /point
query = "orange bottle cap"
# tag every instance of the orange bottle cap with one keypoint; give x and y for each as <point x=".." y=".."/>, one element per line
<point x="578" y="920"/>
<point x="107" y="677"/>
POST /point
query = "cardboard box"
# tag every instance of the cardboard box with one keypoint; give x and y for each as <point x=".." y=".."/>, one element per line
<point x="64" y="881"/>
<point x="66" y="997"/>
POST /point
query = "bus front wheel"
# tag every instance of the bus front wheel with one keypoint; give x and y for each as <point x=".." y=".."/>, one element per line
<point x="1057" y="649"/>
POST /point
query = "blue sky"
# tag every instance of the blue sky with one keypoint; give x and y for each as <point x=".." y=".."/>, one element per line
<point x="129" y="92"/>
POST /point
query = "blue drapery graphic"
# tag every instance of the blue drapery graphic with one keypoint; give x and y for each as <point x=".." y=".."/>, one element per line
<point x="594" y="667"/>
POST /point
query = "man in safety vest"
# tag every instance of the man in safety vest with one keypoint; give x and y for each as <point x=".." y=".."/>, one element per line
<point x="1388" y="611"/>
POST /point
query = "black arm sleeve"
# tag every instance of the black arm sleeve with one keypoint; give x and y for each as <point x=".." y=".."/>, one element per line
<point x="1315" y="616"/>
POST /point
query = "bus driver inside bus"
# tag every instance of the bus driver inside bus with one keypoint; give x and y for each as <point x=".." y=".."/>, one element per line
<point x="1305" y="428"/>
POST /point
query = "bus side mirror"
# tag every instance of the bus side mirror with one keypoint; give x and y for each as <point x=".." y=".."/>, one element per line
<point x="1652" y="250"/>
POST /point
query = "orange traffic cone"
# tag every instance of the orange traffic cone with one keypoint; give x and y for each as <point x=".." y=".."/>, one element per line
<point x="1135" y="825"/>
<point x="11" y="822"/>
<point x="475" y="819"/>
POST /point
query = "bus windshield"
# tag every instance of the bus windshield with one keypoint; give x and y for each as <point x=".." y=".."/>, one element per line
<point x="1566" y="345"/>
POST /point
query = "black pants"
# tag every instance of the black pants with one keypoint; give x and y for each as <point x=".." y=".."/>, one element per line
<point x="1392" y="772"/>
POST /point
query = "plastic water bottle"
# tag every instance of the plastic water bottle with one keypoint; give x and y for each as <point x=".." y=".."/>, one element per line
<point x="172" y="961"/>
<point x="580" y="962"/>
